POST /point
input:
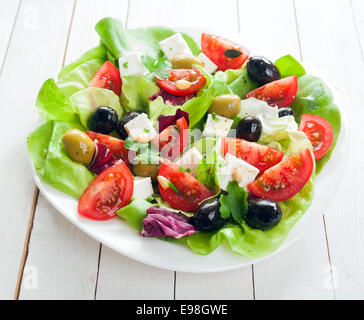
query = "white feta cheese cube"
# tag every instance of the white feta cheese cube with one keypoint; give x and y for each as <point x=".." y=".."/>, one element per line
<point x="131" y="65"/>
<point x="209" y="66"/>
<point x="140" y="129"/>
<point x="142" y="187"/>
<point x="175" y="45"/>
<point x="217" y="126"/>
<point x="236" y="169"/>
<point x="190" y="159"/>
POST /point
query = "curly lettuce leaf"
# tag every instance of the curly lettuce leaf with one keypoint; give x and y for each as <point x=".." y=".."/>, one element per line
<point x="51" y="161"/>
<point x="135" y="212"/>
<point x="146" y="40"/>
<point x="77" y="75"/>
<point x="315" y="97"/>
<point x="53" y="104"/>
<point x="135" y="93"/>
<point x="89" y="99"/>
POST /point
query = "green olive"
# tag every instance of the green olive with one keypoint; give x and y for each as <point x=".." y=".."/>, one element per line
<point x="79" y="146"/>
<point x="146" y="170"/>
<point x="226" y="105"/>
<point x="183" y="61"/>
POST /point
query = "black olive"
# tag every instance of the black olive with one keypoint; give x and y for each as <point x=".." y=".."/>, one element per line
<point x="261" y="70"/>
<point x="283" y="112"/>
<point x="123" y="121"/>
<point x="263" y="214"/>
<point x="104" y="120"/>
<point x="207" y="217"/>
<point x="249" y="128"/>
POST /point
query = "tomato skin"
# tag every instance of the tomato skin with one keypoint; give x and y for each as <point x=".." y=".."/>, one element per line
<point x="214" y="47"/>
<point x="111" y="190"/>
<point x="191" y="191"/>
<point x="319" y="132"/>
<point x="194" y="76"/>
<point x="107" y="77"/>
<point x="169" y="142"/>
<point x="115" y="145"/>
<point x="285" y="179"/>
<point x="279" y="93"/>
<point x="260" y="156"/>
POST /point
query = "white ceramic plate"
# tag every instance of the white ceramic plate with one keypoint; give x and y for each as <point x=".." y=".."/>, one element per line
<point x="119" y="236"/>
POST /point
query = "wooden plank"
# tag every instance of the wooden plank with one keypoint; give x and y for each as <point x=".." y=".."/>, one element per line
<point x="8" y="13"/>
<point x="123" y="278"/>
<point x="274" y="35"/>
<point x="330" y="44"/>
<point x="55" y="241"/>
<point x="33" y="53"/>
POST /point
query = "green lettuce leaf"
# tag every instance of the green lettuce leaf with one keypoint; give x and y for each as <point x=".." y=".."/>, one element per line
<point x="77" y="75"/>
<point x="120" y="41"/>
<point x="315" y="97"/>
<point x="135" y="93"/>
<point x="51" y="161"/>
<point x="89" y="99"/>
<point x="135" y="212"/>
<point x="53" y="104"/>
<point x="289" y="66"/>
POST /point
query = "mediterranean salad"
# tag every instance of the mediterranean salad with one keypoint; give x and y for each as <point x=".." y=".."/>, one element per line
<point x="197" y="143"/>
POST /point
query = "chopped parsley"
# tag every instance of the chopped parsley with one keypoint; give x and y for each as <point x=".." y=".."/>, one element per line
<point x="126" y="64"/>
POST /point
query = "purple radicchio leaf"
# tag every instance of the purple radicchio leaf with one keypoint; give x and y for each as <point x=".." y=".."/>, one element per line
<point x="161" y="222"/>
<point x="165" y="121"/>
<point x="103" y="159"/>
<point x="172" y="99"/>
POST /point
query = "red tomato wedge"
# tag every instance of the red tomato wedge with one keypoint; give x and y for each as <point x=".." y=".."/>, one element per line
<point x="173" y="139"/>
<point x="115" y="145"/>
<point x="111" y="190"/>
<point x="260" y="156"/>
<point x="215" y="48"/>
<point x="182" y="82"/>
<point x="279" y="93"/>
<point x="285" y="179"/>
<point x="181" y="190"/>
<point x="107" y="77"/>
<point x="320" y="133"/>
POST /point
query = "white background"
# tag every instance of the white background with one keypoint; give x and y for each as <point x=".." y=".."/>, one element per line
<point x="43" y="256"/>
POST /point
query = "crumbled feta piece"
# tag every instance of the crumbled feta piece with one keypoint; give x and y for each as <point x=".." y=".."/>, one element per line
<point x="209" y="66"/>
<point x="236" y="169"/>
<point x="175" y="45"/>
<point x="131" y="65"/>
<point x="217" y="126"/>
<point x="142" y="187"/>
<point x="140" y="129"/>
<point x="190" y="159"/>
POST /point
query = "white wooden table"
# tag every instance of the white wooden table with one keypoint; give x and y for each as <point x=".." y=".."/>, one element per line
<point x="43" y="256"/>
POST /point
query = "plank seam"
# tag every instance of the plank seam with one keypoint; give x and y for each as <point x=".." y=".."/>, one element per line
<point x="297" y="29"/>
<point x="238" y="13"/>
<point x="253" y="282"/>
<point x="98" y="270"/>
<point x="26" y="243"/>
<point x="356" y="30"/>
<point x="10" y="37"/>
<point x="36" y="194"/>
<point x="127" y="15"/>
<point x="329" y="257"/>
<point x="174" y="285"/>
